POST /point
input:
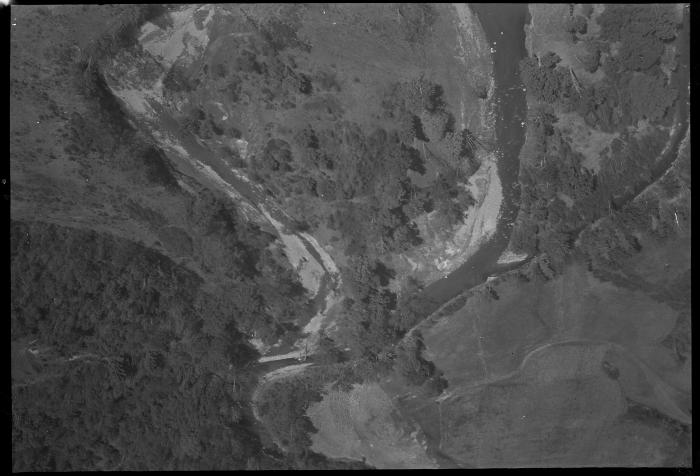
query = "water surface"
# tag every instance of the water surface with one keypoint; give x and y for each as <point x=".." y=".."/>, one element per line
<point x="503" y="25"/>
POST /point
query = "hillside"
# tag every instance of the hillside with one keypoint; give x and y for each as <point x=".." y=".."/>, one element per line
<point x="581" y="357"/>
<point x="339" y="236"/>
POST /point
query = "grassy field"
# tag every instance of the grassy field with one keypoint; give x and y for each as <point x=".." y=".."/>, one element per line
<point x="364" y="423"/>
<point x="75" y="160"/>
<point x="352" y="57"/>
<point x="585" y="366"/>
<point x="590" y="367"/>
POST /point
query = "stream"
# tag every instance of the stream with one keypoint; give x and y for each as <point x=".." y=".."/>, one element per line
<point x="503" y="25"/>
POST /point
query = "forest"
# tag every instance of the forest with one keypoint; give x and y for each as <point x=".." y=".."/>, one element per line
<point x="124" y="358"/>
<point x="129" y="363"/>
<point x="634" y="86"/>
<point x="365" y="176"/>
<point x="559" y="197"/>
<point x="356" y="179"/>
<point x="359" y="174"/>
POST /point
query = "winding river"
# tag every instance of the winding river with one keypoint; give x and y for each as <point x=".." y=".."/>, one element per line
<point x="503" y="25"/>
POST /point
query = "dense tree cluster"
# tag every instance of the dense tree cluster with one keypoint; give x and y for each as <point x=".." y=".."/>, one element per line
<point x="133" y="365"/>
<point x="375" y="202"/>
<point x="374" y="320"/>
<point x="281" y="33"/>
<point x="576" y="24"/>
<point x="547" y="81"/>
<point x="368" y="317"/>
<point x="615" y="239"/>
<point x="283" y="407"/>
<point x="642" y="31"/>
<point x="276" y="157"/>
<point x="361" y="171"/>
<point x="202" y="124"/>
<point x="124" y="360"/>
<point x="601" y="106"/>
<point x="545" y="191"/>
<point x="558" y="196"/>
<point x="634" y="86"/>
<point x="414" y="368"/>
<point x="366" y="175"/>
<point x="650" y="96"/>
<point x="420" y="108"/>
<point x="591" y="58"/>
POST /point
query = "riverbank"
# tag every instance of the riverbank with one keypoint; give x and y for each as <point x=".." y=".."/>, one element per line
<point x="509" y="110"/>
<point x="137" y="80"/>
<point x="489" y="186"/>
<point x="486" y="224"/>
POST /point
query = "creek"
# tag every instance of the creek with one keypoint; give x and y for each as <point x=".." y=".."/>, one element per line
<point x="503" y="25"/>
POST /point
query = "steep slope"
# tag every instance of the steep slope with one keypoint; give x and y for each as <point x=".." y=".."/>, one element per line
<point x="582" y="356"/>
<point x="133" y="287"/>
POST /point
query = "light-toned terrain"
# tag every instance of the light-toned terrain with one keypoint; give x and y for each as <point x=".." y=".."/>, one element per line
<point x="363" y="423"/>
<point x="582" y="369"/>
<point x="138" y="82"/>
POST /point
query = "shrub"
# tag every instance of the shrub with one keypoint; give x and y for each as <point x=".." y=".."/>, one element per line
<point x="591" y="59"/>
<point x="416" y="20"/>
<point x="435" y="124"/>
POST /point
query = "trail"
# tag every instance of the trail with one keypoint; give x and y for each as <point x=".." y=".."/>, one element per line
<point x="142" y="96"/>
<point x="662" y="391"/>
<point x="272" y="376"/>
<point x="492" y="257"/>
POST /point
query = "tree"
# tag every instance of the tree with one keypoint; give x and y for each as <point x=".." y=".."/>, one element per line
<point x="145" y="380"/>
<point x="546" y="81"/>
<point x="620" y="22"/>
<point x="414" y="368"/>
<point x="591" y="59"/>
<point x="600" y="106"/>
<point x="642" y="29"/>
<point x="549" y="60"/>
<point x="481" y="90"/>
<point x="576" y="24"/>
<point x="640" y="53"/>
<point x="650" y="96"/>
<point x="433" y="97"/>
